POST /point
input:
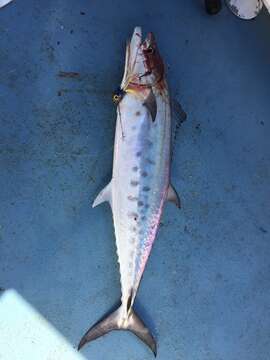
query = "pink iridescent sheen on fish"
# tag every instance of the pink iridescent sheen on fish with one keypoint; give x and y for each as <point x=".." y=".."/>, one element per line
<point x="140" y="183"/>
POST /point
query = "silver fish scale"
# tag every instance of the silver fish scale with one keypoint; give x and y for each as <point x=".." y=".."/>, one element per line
<point x="140" y="182"/>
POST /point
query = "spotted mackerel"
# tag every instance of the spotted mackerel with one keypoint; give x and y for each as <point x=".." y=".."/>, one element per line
<point x="140" y="183"/>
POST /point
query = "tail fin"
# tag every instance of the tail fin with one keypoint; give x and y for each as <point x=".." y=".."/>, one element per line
<point x="115" y="321"/>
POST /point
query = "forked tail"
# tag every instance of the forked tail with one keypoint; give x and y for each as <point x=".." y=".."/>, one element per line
<point x="117" y="321"/>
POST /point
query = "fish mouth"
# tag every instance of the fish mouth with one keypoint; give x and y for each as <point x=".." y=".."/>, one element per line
<point x="143" y="64"/>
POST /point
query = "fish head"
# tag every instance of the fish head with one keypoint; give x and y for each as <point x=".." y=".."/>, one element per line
<point x="144" y="65"/>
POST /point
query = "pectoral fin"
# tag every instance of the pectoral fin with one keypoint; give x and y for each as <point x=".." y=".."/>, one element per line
<point x="151" y="105"/>
<point x="173" y="196"/>
<point x="104" y="195"/>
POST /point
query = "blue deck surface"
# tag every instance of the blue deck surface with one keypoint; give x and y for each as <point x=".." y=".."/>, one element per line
<point x="205" y="293"/>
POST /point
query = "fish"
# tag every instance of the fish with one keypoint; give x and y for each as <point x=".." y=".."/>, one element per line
<point x="140" y="184"/>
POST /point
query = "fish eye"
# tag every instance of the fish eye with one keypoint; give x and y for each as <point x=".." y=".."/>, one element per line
<point x="118" y="95"/>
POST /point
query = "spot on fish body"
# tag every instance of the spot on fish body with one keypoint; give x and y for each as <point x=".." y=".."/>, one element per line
<point x="146" y="188"/>
<point x="151" y="162"/>
<point x="133" y="215"/>
<point x="132" y="198"/>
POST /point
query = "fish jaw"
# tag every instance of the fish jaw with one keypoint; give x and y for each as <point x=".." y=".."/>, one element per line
<point x="143" y="64"/>
<point x="132" y="66"/>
